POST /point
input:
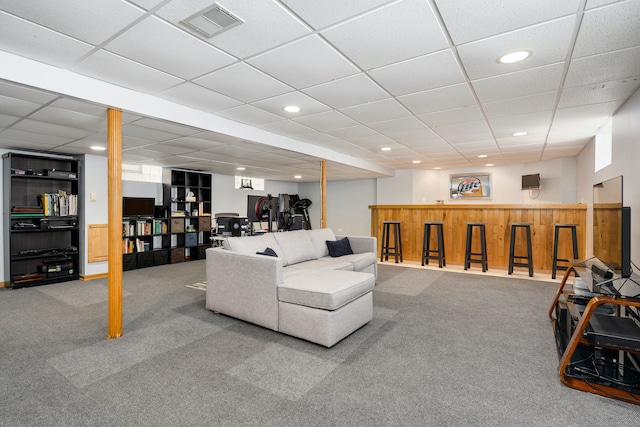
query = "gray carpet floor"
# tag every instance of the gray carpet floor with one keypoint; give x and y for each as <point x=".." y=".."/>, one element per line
<point x="444" y="348"/>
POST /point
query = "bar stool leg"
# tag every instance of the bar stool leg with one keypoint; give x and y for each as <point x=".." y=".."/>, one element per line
<point x="574" y="236"/>
<point x="385" y="242"/>
<point x="554" y="266"/>
<point x="399" y="244"/>
<point x="512" y="248"/>
<point x="395" y="242"/>
<point x="441" y="260"/>
<point x="467" y="252"/>
<point x="483" y="242"/>
<point x="529" y="254"/>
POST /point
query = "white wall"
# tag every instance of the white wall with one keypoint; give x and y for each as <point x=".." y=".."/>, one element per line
<point x="93" y="179"/>
<point x="625" y="161"/>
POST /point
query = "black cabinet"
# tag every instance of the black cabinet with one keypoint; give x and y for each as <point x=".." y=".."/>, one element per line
<point x="145" y="242"/>
<point x="187" y="199"/>
<point x="41" y="218"/>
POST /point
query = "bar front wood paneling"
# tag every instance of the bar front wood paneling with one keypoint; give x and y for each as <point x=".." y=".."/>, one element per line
<point x="497" y="217"/>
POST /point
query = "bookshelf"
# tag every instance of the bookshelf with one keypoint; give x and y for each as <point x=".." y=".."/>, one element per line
<point x="187" y="199"/>
<point x="41" y="217"/>
<point x="145" y="242"/>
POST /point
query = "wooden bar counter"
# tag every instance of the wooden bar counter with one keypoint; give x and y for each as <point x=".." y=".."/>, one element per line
<point x="497" y="218"/>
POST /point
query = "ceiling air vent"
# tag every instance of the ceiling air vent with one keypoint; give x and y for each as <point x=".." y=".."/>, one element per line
<point x="211" y="21"/>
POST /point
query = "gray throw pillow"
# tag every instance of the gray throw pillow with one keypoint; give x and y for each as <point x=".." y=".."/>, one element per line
<point x="268" y="252"/>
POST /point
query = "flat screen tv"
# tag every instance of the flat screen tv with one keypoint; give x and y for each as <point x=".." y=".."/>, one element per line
<point x="531" y="181"/>
<point x="138" y="206"/>
<point x="612" y="227"/>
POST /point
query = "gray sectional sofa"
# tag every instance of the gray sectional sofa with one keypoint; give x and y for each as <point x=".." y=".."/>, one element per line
<point x="303" y="291"/>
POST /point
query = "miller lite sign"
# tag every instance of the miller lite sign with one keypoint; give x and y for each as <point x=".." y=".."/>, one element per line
<point x="469" y="186"/>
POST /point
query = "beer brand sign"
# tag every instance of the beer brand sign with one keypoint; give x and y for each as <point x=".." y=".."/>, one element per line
<point x="470" y="186"/>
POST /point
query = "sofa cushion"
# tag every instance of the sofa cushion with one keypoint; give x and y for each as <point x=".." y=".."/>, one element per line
<point x="253" y="244"/>
<point x="321" y="264"/>
<point x="338" y="248"/>
<point x="296" y="246"/>
<point x="325" y="289"/>
<point x="359" y="261"/>
<point x="319" y="238"/>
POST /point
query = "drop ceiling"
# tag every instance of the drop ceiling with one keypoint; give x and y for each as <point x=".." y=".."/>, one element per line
<point x="419" y="77"/>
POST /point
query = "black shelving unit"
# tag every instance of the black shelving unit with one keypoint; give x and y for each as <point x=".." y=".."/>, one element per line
<point x="145" y="242"/>
<point x="41" y="217"/>
<point x="187" y="199"/>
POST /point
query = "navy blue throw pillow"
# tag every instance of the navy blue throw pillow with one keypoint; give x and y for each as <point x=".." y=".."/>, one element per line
<point x="268" y="252"/>
<point x="339" y="248"/>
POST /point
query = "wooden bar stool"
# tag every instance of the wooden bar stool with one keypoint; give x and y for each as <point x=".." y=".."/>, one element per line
<point x="396" y="249"/>
<point x="515" y="260"/>
<point x="469" y="255"/>
<point x="438" y="252"/>
<point x="556" y="260"/>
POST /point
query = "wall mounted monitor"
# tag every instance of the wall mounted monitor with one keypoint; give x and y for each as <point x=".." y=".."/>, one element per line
<point x="531" y="181"/>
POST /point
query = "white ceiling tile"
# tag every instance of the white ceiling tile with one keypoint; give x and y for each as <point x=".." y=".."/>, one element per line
<point x="287" y="127"/>
<point x="360" y="87"/>
<point x="115" y="69"/>
<point x="80" y="106"/>
<point x="303" y="63"/>
<point x="276" y="105"/>
<point x="153" y="135"/>
<point x="418" y="74"/>
<point x="39" y="43"/>
<point x="520" y="83"/>
<point x="585" y="119"/>
<point x="132" y="142"/>
<point x="598" y="93"/>
<point x="607" y="67"/>
<point x="25" y="94"/>
<point x="352" y="132"/>
<point x="548" y="43"/>
<point x="250" y="115"/>
<point x="17" y="144"/>
<point x="52" y="129"/>
<point x="164" y="126"/>
<point x="169" y="148"/>
<point x="68" y="118"/>
<point x="387" y="109"/>
<point x="466" y="132"/>
<point x="244" y="82"/>
<point x="448" y="117"/>
<point x="521" y="105"/>
<point x="88" y="23"/>
<point x="263" y="27"/>
<point x="399" y="31"/>
<point x="439" y="99"/>
<point x="160" y="45"/>
<point x="533" y="123"/>
<point x="609" y="28"/>
<point x="50" y="140"/>
<point x="326" y="120"/>
<point x="10" y="105"/>
<point x="468" y="21"/>
<point x="194" y="143"/>
<point x="7" y="120"/>
<point x="198" y="97"/>
<point x="328" y="12"/>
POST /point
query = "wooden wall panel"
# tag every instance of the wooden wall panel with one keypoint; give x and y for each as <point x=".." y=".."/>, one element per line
<point x="497" y="217"/>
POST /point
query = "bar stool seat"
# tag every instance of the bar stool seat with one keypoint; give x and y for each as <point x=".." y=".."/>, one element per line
<point x="396" y="249"/>
<point x="574" y="235"/>
<point x="516" y="260"/>
<point x="469" y="255"/>
<point x="438" y="252"/>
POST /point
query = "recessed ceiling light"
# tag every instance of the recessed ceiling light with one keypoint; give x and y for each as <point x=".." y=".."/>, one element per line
<point x="519" y="133"/>
<point x="385" y="149"/>
<point x="240" y="168"/>
<point x="97" y="148"/>
<point x="482" y="156"/>
<point x="489" y="164"/>
<point x="437" y="168"/>
<point x="415" y="162"/>
<point x="292" y="109"/>
<point x="513" y="57"/>
<point x="298" y="177"/>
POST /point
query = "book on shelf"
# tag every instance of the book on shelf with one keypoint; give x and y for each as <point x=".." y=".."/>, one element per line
<point x="59" y="204"/>
<point x="177" y="213"/>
